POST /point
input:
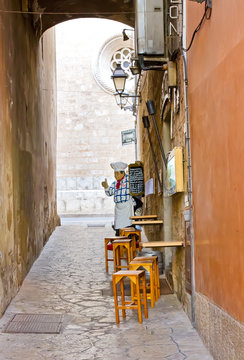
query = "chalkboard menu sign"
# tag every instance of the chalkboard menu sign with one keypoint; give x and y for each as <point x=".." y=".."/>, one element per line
<point x="136" y="179"/>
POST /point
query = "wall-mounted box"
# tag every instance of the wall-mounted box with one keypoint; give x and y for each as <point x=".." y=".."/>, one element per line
<point x="175" y="176"/>
<point x="172" y="78"/>
<point x="150" y="27"/>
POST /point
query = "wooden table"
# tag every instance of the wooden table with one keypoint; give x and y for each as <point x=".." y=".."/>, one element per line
<point x="143" y="217"/>
<point x="148" y="222"/>
<point x="164" y="244"/>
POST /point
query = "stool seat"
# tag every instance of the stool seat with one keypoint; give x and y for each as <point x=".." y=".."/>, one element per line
<point x="128" y="272"/>
<point x="110" y="245"/>
<point x="136" y="277"/>
<point x="107" y="244"/>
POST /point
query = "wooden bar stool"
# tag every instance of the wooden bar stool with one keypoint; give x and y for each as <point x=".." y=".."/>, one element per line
<point x="118" y="246"/>
<point x="136" y="277"/>
<point x="107" y="241"/>
<point x="156" y="271"/>
<point x="147" y="265"/>
<point x="133" y="233"/>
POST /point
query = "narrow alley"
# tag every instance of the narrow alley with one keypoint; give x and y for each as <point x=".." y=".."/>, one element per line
<point x="133" y="108"/>
<point x="69" y="279"/>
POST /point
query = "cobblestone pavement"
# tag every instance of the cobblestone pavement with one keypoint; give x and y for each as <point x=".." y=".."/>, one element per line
<point x="69" y="278"/>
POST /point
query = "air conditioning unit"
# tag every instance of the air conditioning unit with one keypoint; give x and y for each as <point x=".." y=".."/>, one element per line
<point x="150" y="27"/>
<point x="149" y="34"/>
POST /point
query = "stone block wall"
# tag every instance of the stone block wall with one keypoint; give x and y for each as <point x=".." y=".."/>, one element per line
<point x="27" y="147"/>
<point x="216" y="118"/>
<point x="151" y="85"/>
<point x="83" y="195"/>
<point x="220" y="332"/>
<point x="89" y="121"/>
<point x="171" y="209"/>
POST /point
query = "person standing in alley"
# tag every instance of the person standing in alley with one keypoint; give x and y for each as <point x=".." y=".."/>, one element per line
<point x="122" y="198"/>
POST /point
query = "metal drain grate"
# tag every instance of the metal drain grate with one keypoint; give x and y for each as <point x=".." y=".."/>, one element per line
<point x="96" y="225"/>
<point x="35" y="324"/>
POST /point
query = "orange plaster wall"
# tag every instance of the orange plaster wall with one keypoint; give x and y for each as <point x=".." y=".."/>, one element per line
<point x="216" y="100"/>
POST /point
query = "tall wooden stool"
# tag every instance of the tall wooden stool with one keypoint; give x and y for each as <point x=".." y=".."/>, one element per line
<point x="107" y="241"/>
<point x="156" y="271"/>
<point x="133" y="232"/>
<point x="135" y="277"/>
<point x="147" y="265"/>
<point x="118" y="246"/>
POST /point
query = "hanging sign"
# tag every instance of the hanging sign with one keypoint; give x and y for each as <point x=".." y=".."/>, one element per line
<point x="174" y="25"/>
<point x="128" y="136"/>
<point x="175" y="171"/>
<point x="136" y="179"/>
<point x="149" y="187"/>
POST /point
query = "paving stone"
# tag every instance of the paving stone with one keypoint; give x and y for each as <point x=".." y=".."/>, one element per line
<point x="69" y="278"/>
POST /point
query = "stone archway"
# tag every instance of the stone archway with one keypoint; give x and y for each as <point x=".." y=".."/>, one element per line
<point x="50" y="13"/>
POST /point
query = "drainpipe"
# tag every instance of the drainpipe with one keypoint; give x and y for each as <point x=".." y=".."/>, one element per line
<point x="189" y="169"/>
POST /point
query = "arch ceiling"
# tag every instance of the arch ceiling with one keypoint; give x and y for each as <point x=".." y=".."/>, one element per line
<point x="54" y="12"/>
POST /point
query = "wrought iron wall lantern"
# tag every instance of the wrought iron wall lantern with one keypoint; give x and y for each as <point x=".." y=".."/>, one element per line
<point x="119" y="77"/>
<point x="123" y="99"/>
<point x="125" y="36"/>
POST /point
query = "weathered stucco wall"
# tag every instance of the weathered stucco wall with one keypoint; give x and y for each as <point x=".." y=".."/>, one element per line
<point x="27" y="147"/>
<point x="216" y="103"/>
<point x="216" y="92"/>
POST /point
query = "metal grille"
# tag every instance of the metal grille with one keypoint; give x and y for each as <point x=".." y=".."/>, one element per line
<point x="35" y="324"/>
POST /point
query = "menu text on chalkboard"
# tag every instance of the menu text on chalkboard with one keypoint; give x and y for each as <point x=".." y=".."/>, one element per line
<point x="136" y="179"/>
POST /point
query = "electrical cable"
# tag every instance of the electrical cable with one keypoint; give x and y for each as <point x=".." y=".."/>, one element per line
<point x="205" y="16"/>
<point x="210" y="13"/>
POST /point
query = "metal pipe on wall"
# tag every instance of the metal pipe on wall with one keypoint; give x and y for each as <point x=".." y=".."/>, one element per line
<point x="146" y="126"/>
<point x="151" y="111"/>
<point x="189" y="170"/>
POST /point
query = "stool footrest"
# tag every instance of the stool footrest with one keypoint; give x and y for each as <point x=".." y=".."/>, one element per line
<point x="130" y="302"/>
<point x="123" y="266"/>
<point x="127" y="307"/>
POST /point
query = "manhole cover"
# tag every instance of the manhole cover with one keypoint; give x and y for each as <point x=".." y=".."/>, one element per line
<point x="35" y="324"/>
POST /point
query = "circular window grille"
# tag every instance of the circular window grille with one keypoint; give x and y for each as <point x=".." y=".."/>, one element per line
<point x="123" y="57"/>
<point x="113" y="51"/>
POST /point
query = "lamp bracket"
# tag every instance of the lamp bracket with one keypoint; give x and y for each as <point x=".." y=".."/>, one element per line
<point x="125" y="95"/>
